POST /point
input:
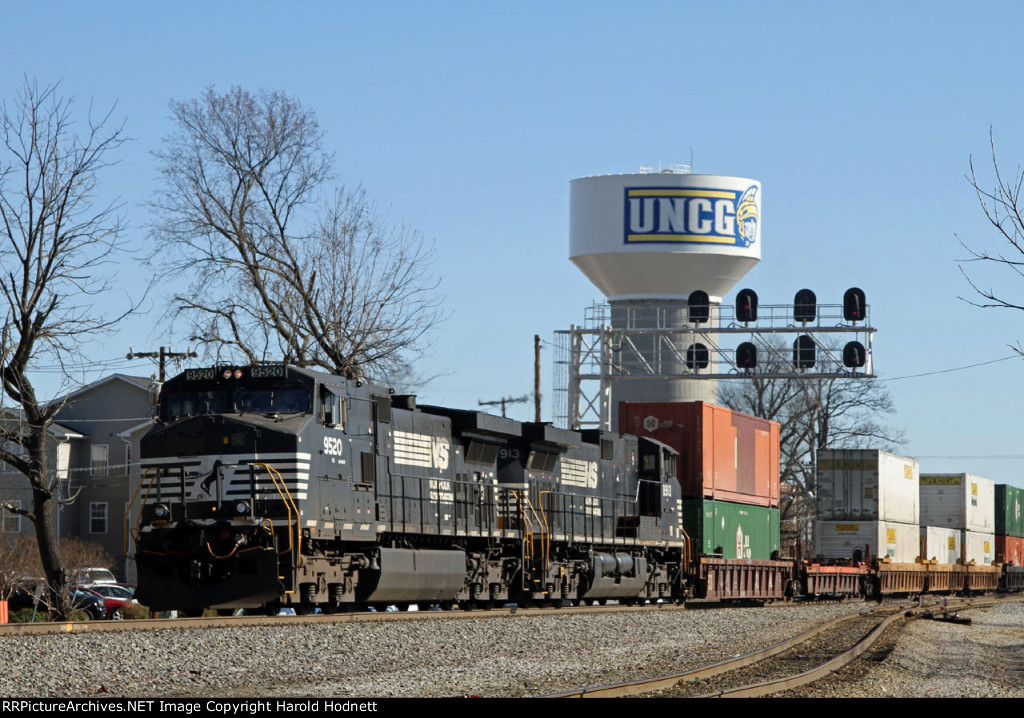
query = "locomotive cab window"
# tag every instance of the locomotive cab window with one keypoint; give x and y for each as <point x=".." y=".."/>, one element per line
<point x="670" y="465"/>
<point x="541" y="461"/>
<point x="273" y="400"/>
<point x="481" y="452"/>
<point x="195" y="403"/>
<point x="332" y="408"/>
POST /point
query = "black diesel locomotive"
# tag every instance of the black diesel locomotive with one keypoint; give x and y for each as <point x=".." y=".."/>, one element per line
<point x="268" y="485"/>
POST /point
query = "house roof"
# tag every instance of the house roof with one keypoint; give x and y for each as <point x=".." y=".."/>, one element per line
<point x="59" y="431"/>
<point x="127" y="433"/>
<point x="139" y="382"/>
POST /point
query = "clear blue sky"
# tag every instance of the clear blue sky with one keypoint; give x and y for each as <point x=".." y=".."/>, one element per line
<point x="469" y="119"/>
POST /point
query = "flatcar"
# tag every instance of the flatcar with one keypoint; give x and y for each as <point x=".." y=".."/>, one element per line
<point x="269" y="485"/>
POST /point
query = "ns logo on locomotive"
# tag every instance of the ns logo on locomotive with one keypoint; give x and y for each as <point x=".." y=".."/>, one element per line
<point x="691" y="215"/>
<point x="270" y="485"/>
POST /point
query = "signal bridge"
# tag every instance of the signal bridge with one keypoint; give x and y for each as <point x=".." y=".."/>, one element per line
<point x="719" y="342"/>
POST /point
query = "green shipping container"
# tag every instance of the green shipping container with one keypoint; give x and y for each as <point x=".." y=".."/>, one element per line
<point x="740" y="530"/>
<point x="1009" y="511"/>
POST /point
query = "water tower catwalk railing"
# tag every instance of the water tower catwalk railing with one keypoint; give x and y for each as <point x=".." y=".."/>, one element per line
<point x="590" y="358"/>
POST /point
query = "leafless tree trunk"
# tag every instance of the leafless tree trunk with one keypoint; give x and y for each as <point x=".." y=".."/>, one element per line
<point x="1004" y="211"/>
<point x="55" y="244"/>
<point x="278" y="269"/>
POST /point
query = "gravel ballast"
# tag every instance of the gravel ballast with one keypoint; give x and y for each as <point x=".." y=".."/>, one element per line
<point x="933" y="659"/>
<point x="496" y="657"/>
<point x="491" y="657"/>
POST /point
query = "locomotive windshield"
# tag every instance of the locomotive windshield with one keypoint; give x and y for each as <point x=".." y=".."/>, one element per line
<point x="273" y="400"/>
<point x="240" y="399"/>
<point x="195" y="403"/>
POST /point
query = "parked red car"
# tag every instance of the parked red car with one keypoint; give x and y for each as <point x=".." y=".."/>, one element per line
<point x="116" y="597"/>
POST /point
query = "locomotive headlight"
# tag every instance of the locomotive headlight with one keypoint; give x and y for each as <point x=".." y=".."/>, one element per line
<point x="238" y="373"/>
<point x="226" y="374"/>
<point x="161" y="511"/>
<point x="242" y="508"/>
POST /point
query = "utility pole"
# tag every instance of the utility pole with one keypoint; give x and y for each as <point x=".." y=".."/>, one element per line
<point x="536" y="377"/>
<point x="503" y="401"/>
<point x="163" y="355"/>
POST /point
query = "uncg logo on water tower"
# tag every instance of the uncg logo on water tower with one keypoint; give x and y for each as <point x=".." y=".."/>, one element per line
<point x="698" y="215"/>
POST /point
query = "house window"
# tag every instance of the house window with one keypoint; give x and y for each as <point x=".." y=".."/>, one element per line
<point x="11" y="522"/>
<point x="100" y="459"/>
<point x="11" y="448"/>
<point x="98" y="517"/>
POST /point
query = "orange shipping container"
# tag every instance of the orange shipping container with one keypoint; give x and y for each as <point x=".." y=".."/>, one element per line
<point x="1011" y="549"/>
<point x="723" y="454"/>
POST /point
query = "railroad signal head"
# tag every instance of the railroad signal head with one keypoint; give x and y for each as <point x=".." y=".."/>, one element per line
<point x="746" y="356"/>
<point x="803" y="352"/>
<point x="805" y="306"/>
<point x="697" y="357"/>
<point x="854" y="355"/>
<point x="746" y="305"/>
<point x="699" y="307"/>
<point x="854" y="305"/>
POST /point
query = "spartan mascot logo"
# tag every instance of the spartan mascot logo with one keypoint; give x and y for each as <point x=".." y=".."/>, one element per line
<point x="746" y="217"/>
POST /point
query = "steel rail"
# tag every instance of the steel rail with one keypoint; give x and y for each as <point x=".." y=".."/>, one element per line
<point x="798" y="680"/>
<point x="665" y="682"/>
<point x="158" y="624"/>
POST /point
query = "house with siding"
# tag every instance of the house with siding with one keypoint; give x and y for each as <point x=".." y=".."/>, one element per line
<point x="95" y="455"/>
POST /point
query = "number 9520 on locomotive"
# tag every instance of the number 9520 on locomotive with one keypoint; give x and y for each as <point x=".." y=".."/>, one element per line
<point x="268" y="485"/>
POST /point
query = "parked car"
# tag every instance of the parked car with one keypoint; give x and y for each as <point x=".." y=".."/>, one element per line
<point x="116" y="597"/>
<point x="87" y="576"/>
<point x="94" y="605"/>
<point x="91" y="603"/>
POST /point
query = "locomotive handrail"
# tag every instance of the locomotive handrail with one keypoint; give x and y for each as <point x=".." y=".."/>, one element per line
<point x="545" y="542"/>
<point x="527" y="527"/>
<point x="289" y="504"/>
<point x="131" y="503"/>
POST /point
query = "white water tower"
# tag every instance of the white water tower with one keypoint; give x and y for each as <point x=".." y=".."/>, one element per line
<point x="647" y="241"/>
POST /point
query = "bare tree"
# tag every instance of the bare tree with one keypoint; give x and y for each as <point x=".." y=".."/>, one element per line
<point x="277" y="267"/>
<point x="1004" y="211"/>
<point x="20" y="565"/>
<point x="55" y="247"/>
<point x="19" y="561"/>
<point x="813" y="414"/>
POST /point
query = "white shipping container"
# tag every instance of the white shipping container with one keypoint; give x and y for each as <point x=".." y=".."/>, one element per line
<point x="979" y="547"/>
<point x="842" y="539"/>
<point x="958" y="501"/>
<point x="941" y="545"/>
<point x="867" y="485"/>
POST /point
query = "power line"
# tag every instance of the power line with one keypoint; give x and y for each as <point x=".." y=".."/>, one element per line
<point x="162" y="356"/>
<point x="980" y="456"/>
<point x="947" y="371"/>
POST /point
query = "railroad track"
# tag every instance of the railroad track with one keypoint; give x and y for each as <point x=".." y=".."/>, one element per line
<point x="160" y="624"/>
<point x="796" y="662"/>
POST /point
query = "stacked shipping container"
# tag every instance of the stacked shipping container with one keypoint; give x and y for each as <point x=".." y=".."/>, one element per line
<point x="964" y="504"/>
<point x="868" y="505"/>
<point x="728" y="469"/>
<point x="1009" y="524"/>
